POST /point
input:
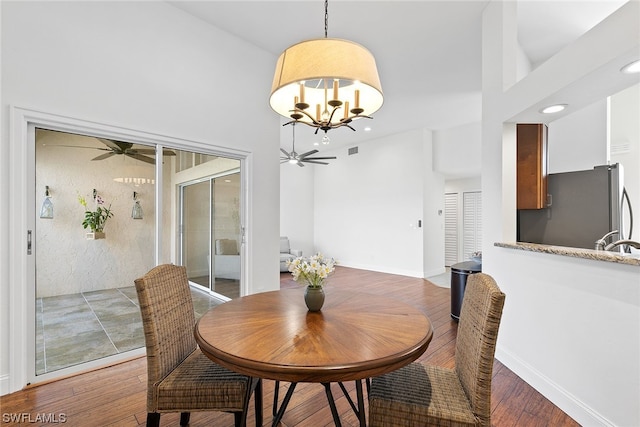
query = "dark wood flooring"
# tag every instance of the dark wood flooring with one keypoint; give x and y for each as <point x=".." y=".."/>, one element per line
<point x="116" y="395"/>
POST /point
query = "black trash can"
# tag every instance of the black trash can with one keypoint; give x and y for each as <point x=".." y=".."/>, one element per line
<point x="459" y="274"/>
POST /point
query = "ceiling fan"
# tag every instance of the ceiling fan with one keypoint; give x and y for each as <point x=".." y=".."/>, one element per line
<point x="299" y="159"/>
<point x="124" y="148"/>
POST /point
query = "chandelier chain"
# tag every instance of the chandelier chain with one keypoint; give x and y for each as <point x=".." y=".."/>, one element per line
<point x="326" y="17"/>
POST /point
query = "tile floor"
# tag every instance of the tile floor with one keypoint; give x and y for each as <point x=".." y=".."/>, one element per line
<point x="77" y="328"/>
<point x="443" y="280"/>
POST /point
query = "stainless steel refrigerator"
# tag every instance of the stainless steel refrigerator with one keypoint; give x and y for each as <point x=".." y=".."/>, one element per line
<point x="583" y="207"/>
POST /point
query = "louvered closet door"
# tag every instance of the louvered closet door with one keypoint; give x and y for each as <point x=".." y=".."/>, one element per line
<point x="450" y="229"/>
<point x="472" y="223"/>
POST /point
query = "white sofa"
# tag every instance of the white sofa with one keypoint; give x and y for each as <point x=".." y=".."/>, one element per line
<point x="227" y="259"/>
<point x="286" y="253"/>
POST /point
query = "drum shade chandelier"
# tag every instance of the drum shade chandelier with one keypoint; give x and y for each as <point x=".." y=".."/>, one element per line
<point x="326" y="83"/>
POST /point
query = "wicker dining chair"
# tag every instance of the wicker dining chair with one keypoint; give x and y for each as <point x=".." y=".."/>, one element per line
<point x="180" y="377"/>
<point x="424" y="395"/>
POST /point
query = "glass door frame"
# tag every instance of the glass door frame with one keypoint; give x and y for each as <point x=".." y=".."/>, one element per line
<point x="22" y="220"/>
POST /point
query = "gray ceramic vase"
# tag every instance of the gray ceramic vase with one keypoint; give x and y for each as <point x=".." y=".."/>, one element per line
<point x="314" y="298"/>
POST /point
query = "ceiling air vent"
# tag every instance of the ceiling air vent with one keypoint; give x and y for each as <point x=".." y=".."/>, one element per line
<point x="620" y="147"/>
<point x="353" y="150"/>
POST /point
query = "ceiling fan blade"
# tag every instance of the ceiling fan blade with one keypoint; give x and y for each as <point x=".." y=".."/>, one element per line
<point x="300" y="164"/>
<point x="79" y="146"/>
<point x="104" y="156"/>
<point x="142" y="158"/>
<point x="321" y="158"/>
<point x="313" y="161"/>
<point x="119" y="147"/>
<point x="110" y="144"/>
<point x="308" y="153"/>
<point x="284" y="152"/>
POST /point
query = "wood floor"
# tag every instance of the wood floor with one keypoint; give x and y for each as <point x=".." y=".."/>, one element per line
<point x="116" y="396"/>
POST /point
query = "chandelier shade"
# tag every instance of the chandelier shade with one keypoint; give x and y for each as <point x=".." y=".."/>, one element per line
<point x="326" y="83"/>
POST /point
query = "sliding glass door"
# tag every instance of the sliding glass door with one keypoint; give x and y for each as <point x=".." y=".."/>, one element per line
<point x="85" y="306"/>
<point x="210" y="232"/>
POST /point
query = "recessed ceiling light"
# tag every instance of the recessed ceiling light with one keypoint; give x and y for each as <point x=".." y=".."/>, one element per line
<point x="633" y="67"/>
<point x="367" y="129"/>
<point x="553" y="108"/>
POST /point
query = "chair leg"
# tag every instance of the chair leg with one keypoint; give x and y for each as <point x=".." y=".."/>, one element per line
<point x="184" y="418"/>
<point x="153" y="419"/>
<point x="237" y="418"/>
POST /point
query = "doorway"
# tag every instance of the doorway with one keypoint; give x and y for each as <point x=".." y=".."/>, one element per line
<point x="81" y="307"/>
<point x="463" y="225"/>
<point x="210" y="233"/>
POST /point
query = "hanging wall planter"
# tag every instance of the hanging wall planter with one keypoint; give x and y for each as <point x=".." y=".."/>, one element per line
<point x="95" y="220"/>
<point x="95" y="235"/>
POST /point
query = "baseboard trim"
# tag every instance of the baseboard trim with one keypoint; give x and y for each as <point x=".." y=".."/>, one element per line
<point x="434" y="272"/>
<point x="399" y="272"/>
<point x="4" y="384"/>
<point x="560" y="397"/>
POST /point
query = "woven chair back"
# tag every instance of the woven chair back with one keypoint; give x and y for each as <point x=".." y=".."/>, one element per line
<point x="476" y="341"/>
<point x="168" y="319"/>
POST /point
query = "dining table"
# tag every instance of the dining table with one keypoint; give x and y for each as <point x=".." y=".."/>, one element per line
<point x="354" y="337"/>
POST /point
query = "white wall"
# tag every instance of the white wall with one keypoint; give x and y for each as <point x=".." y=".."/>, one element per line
<point x="387" y="187"/>
<point x="570" y="327"/>
<point x="433" y="210"/>
<point x="457" y="151"/>
<point x="144" y="66"/>
<point x="578" y="141"/>
<point x="463" y="185"/>
<point x="67" y="262"/>
<point x="446" y="153"/>
<point x="297" y="205"/>
<point x="367" y="205"/>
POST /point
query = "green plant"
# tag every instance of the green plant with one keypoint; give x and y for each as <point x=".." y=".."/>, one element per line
<point x="312" y="271"/>
<point x="95" y="220"/>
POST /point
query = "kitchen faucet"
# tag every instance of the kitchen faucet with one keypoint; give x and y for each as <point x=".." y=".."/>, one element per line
<point x="622" y="242"/>
<point x="602" y="242"/>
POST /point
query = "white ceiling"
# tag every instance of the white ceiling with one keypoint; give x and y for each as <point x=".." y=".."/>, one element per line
<point x="428" y="52"/>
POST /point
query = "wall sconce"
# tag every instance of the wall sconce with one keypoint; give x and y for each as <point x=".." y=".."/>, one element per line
<point x="136" y="211"/>
<point x="46" y="211"/>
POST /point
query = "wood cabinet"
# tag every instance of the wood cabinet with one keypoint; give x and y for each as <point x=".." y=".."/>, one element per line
<point x="531" y="165"/>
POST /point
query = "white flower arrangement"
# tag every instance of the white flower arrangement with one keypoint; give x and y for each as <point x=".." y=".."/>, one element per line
<point x="312" y="271"/>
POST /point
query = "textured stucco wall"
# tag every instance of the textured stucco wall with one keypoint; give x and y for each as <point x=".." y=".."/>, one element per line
<point x="66" y="262"/>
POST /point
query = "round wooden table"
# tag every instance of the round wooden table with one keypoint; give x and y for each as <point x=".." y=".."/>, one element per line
<point x="355" y="336"/>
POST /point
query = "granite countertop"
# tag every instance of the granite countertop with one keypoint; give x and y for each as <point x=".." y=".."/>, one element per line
<point x="631" y="259"/>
